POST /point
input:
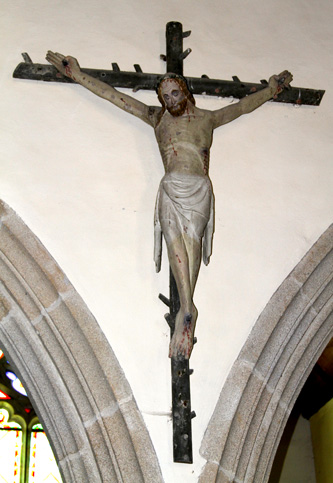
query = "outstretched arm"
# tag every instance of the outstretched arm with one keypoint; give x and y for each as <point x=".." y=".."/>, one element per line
<point x="70" y="67"/>
<point x="249" y="103"/>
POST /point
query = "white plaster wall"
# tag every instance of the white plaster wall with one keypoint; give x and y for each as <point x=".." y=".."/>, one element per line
<point x="83" y="176"/>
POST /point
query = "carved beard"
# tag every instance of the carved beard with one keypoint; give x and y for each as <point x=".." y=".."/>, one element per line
<point x="179" y="109"/>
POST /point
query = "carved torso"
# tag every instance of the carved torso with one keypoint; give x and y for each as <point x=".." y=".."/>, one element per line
<point x="185" y="141"/>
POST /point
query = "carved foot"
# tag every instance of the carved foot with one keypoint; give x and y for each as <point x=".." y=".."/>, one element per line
<point x="181" y="344"/>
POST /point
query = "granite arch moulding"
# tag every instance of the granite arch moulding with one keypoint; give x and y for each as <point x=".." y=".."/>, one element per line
<point x="68" y="367"/>
<point x="286" y="341"/>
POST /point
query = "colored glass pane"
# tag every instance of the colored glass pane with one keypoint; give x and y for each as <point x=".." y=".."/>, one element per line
<point x="10" y="449"/>
<point x="16" y="383"/>
<point x="3" y="395"/>
<point x="37" y="426"/>
<point x="42" y="466"/>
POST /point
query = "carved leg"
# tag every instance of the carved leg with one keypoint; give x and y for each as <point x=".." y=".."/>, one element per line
<point x="193" y="249"/>
<point x="184" y="258"/>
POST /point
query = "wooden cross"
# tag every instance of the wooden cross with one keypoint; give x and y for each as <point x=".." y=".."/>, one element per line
<point x="181" y="397"/>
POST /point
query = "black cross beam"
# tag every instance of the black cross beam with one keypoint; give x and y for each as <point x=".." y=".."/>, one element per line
<point x="181" y="396"/>
<point x="181" y="393"/>
<point x="174" y="60"/>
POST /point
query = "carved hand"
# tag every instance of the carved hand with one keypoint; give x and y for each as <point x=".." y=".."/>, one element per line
<point x="279" y="82"/>
<point x="68" y="66"/>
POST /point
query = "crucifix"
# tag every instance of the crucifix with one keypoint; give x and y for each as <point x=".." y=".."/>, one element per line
<point x="184" y="213"/>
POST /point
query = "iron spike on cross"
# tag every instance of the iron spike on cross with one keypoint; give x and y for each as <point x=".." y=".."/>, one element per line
<point x="181" y="402"/>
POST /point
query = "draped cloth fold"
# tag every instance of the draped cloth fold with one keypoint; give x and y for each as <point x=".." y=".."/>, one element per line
<point x="184" y="205"/>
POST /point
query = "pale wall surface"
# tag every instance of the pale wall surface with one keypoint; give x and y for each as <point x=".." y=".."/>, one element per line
<point x="83" y="176"/>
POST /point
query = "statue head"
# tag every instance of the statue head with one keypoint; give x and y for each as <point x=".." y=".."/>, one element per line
<point x="173" y="93"/>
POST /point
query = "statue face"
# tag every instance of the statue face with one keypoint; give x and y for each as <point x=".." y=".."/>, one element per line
<point x="173" y="97"/>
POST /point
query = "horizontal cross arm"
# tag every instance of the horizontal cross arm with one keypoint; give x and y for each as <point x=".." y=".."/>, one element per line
<point x="115" y="78"/>
<point x="237" y="89"/>
<point x="139" y="80"/>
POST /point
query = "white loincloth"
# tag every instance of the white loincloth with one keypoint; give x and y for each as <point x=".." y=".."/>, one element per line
<point x="184" y="205"/>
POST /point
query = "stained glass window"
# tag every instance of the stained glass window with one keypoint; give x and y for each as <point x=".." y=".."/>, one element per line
<point x="10" y="449"/>
<point x="42" y="464"/>
<point x="25" y="452"/>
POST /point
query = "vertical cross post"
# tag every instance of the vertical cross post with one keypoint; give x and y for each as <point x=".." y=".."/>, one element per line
<point x="181" y="394"/>
<point x="180" y="372"/>
<point x="174" y="47"/>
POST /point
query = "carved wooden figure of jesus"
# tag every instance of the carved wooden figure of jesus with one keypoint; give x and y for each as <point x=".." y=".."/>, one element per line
<point x="184" y="212"/>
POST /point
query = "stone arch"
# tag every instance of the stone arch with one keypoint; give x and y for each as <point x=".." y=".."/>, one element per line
<point x="75" y="382"/>
<point x="286" y="341"/>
